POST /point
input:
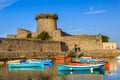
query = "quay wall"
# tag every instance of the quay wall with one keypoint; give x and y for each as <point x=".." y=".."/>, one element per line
<point x="102" y="53"/>
<point x="9" y="44"/>
<point x="10" y="55"/>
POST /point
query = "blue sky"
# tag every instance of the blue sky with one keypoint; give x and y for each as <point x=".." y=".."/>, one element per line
<point x="75" y="16"/>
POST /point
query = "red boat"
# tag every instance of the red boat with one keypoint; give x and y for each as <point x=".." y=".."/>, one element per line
<point x="63" y="59"/>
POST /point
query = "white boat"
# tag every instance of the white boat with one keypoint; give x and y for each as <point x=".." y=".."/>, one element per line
<point x="13" y="62"/>
<point x="117" y="57"/>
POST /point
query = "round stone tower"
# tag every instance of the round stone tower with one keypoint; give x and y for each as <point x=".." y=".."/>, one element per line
<point x="46" y="22"/>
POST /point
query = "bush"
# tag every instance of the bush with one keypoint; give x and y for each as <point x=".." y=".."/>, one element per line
<point x="29" y="35"/>
<point x="105" y="38"/>
<point x="44" y="36"/>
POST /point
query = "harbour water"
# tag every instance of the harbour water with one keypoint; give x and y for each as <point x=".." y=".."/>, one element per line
<point x="51" y="73"/>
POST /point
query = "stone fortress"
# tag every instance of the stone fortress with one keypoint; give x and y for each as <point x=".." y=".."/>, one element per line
<point x="48" y="23"/>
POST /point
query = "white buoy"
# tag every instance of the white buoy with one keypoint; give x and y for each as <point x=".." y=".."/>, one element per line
<point x="71" y="69"/>
<point x="91" y="69"/>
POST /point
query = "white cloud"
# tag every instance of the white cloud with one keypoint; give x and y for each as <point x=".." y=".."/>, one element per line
<point x="6" y="3"/>
<point x="95" y="12"/>
<point x="92" y="11"/>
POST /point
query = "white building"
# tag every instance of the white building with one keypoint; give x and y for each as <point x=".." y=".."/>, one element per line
<point x="109" y="45"/>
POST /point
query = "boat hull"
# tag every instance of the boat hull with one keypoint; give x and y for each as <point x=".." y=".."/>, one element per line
<point x="82" y="67"/>
<point x="25" y="65"/>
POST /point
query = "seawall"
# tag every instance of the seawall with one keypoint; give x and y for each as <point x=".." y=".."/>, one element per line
<point x="11" y="55"/>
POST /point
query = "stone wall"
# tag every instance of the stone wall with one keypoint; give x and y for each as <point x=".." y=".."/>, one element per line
<point x="11" y="36"/>
<point x="7" y="44"/>
<point x="22" y="33"/>
<point x="85" y="42"/>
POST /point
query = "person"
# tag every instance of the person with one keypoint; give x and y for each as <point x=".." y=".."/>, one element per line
<point x="10" y="48"/>
<point x="40" y="49"/>
<point x="75" y="48"/>
<point x="80" y="53"/>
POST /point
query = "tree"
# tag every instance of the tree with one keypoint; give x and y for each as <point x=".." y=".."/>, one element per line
<point x="105" y="38"/>
<point x="29" y="35"/>
<point x="44" y="36"/>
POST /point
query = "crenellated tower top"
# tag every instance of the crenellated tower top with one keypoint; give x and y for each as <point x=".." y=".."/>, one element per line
<point x="46" y="16"/>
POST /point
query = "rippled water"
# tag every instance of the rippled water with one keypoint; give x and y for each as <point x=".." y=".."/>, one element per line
<point x="51" y="73"/>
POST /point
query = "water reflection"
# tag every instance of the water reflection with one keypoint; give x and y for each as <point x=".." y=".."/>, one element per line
<point x="27" y="75"/>
<point x="114" y="70"/>
<point x="51" y="73"/>
<point x="61" y="73"/>
<point x="113" y="64"/>
<point x="30" y="68"/>
<point x="82" y="77"/>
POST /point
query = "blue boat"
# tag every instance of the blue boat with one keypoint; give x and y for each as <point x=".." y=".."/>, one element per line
<point x="87" y="60"/>
<point x="82" y="67"/>
<point x="47" y="62"/>
<point x="26" y="65"/>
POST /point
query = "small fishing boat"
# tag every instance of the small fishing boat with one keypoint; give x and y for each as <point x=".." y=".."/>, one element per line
<point x="117" y="57"/>
<point x="81" y="67"/>
<point x="27" y="65"/>
<point x="106" y="64"/>
<point x="62" y="59"/>
<point x="13" y="62"/>
<point x="87" y="60"/>
<point x="86" y="57"/>
<point x="47" y="62"/>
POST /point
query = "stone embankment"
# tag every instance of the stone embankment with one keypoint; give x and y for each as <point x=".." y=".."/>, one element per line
<point x="11" y="55"/>
<point x="102" y="53"/>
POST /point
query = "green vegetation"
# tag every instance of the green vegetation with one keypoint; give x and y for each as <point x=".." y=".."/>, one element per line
<point x="29" y="35"/>
<point x="105" y="38"/>
<point x="44" y="36"/>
